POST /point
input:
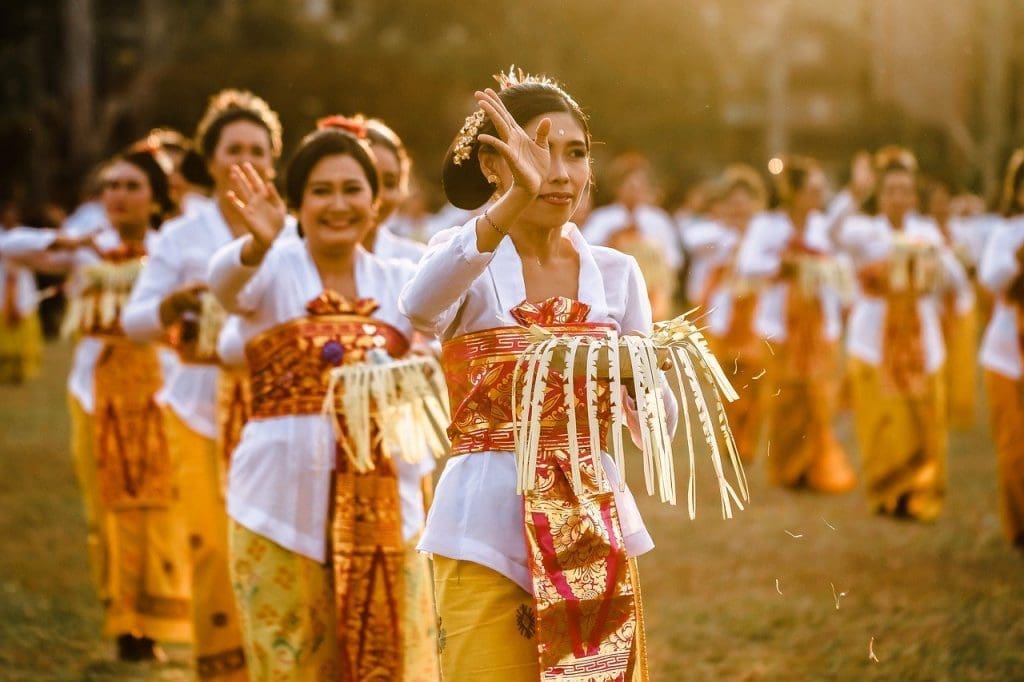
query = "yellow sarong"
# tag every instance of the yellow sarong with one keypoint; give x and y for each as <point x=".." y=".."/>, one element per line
<point x="1006" y="402"/>
<point x="289" y="619"/>
<point x="83" y="455"/>
<point x="21" y="349"/>
<point x="802" y="446"/>
<point x="962" y="367"/>
<point x="902" y="440"/>
<point x="218" y="637"/>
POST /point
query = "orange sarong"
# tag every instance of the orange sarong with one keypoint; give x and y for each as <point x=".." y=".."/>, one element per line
<point x="1006" y="402"/>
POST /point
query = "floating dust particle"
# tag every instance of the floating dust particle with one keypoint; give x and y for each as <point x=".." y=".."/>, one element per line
<point x="770" y="349"/>
<point x="746" y="385"/>
<point x="736" y="365"/>
<point x="768" y="453"/>
<point x="777" y="393"/>
<point x="760" y="374"/>
<point x="794" y="535"/>
<point x="828" y="524"/>
<point x="871" y="651"/>
<point x="777" y="587"/>
<point x="835" y="596"/>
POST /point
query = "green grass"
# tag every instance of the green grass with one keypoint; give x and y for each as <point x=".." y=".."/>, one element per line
<point x="942" y="601"/>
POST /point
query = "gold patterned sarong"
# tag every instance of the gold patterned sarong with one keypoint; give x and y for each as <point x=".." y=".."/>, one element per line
<point x="289" y="367"/>
<point x="133" y="463"/>
<point x="588" y="623"/>
<point x="805" y="375"/>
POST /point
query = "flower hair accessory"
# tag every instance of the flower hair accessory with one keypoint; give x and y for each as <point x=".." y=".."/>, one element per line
<point x="356" y="126"/>
<point x="475" y="121"/>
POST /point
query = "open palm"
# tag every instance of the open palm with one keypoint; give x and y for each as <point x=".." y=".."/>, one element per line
<point x="528" y="158"/>
<point x="261" y="207"/>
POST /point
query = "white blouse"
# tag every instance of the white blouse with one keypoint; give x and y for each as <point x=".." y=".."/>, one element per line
<point x="280" y="478"/>
<point x="387" y="244"/>
<point x="653" y="222"/>
<point x="25" y="294"/>
<point x="476" y="514"/>
<point x="760" y="256"/>
<point x="708" y="244"/>
<point x="1000" y="348"/>
<point x="869" y="239"/>
<point x="27" y="242"/>
<point x="181" y="256"/>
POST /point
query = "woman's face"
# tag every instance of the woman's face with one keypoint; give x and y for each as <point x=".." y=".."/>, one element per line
<point x="338" y="207"/>
<point x="393" y="187"/>
<point x="897" y="195"/>
<point x="940" y="203"/>
<point x="811" y="197"/>
<point x="739" y="207"/>
<point x="240" y="142"/>
<point x="126" y="196"/>
<point x="568" y="175"/>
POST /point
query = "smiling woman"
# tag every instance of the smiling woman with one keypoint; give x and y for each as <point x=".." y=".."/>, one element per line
<point x="541" y="585"/>
<point x="300" y="507"/>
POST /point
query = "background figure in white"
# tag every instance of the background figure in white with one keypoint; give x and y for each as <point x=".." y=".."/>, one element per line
<point x="635" y="225"/>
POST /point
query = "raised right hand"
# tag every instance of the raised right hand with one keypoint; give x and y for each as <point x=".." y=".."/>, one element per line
<point x="528" y="158"/>
<point x="262" y="210"/>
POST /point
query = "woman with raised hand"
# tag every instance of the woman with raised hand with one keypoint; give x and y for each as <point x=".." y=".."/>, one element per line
<point x="787" y="253"/>
<point x="539" y="585"/>
<point x="1002" y="349"/>
<point x="324" y="578"/>
<point x="171" y="298"/>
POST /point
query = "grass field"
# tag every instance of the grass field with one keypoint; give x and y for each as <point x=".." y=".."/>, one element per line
<point x="795" y="588"/>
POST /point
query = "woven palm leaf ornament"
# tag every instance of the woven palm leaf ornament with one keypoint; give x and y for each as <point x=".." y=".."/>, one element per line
<point x="640" y="358"/>
<point x="104" y="291"/>
<point x="406" y="400"/>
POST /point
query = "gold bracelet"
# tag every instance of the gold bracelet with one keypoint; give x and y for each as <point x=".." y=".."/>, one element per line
<point x="503" y="233"/>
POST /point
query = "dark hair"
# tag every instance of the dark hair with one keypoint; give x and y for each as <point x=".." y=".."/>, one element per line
<point x="228" y="106"/>
<point x="894" y="159"/>
<point x="379" y="133"/>
<point x="793" y="178"/>
<point x="146" y="161"/>
<point x="464" y="183"/>
<point x="1010" y="204"/>
<point x="318" y="145"/>
<point x="193" y="169"/>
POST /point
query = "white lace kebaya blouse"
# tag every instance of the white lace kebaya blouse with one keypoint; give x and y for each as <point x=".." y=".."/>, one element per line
<point x="279" y="483"/>
<point x="476" y="514"/>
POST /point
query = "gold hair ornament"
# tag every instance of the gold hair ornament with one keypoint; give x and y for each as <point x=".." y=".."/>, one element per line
<point x="475" y="121"/>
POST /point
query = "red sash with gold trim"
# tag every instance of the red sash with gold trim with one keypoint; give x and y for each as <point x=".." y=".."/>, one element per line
<point x="588" y="622"/>
<point x="289" y="369"/>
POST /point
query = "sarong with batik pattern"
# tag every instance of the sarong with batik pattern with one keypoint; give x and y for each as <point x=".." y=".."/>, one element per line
<point x="584" y="588"/>
<point x="289" y="367"/>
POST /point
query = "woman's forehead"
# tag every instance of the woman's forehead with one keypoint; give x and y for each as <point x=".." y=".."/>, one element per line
<point x="564" y="126"/>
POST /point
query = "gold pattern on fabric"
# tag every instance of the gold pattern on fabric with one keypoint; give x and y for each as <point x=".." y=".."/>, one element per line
<point x="133" y="462"/>
<point x="290" y="367"/>
<point x="289" y="364"/>
<point x="234" y="406"/>
<point x="587" y="616"/>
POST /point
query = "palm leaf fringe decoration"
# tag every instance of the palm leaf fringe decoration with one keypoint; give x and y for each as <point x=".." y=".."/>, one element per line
<point x="574" y="358"/>
<point x="405" y="399"/>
